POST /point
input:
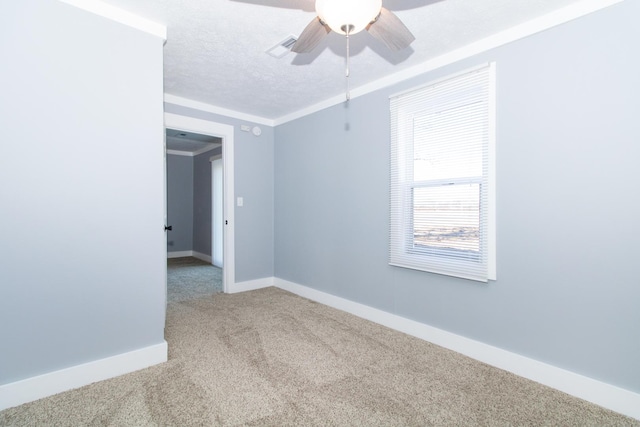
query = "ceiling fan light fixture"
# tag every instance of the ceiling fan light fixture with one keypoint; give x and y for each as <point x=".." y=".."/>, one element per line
<point x="354" y="15"/>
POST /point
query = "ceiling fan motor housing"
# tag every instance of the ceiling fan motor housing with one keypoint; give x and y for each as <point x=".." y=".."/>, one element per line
<point x="352" y="14"/>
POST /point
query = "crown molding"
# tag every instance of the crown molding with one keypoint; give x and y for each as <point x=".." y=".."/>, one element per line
<point x="202" y="106"/>
<point x="542" y="23"/>
<point x="560" y="16"/>
<point x="179" y="153"/>
<point x="120" y="15"/>
<point x="193" y="153"/>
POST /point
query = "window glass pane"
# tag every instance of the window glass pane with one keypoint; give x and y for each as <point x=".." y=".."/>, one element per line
<point x="449" y="144"/>
<point x="448" y="218"/>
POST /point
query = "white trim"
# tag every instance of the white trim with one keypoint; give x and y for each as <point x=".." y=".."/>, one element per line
<point x="226" y="132"/>
<point x="193" y="153"/>
<point x="404" y="108"/>
<point x="606" y="395"/>
<point x="202" y="257"/>
<point x="120" y="15"/>
<point x="179" y="254"/>
<point x="558" y="17"/>
<point x="492" y="270"/>
<point x="34" y="388"/>
<point x="180" y="153"/>
<point x="211" y="146"/>
<point x="250" y="285"/>
<point x="329" y="102"/>
<point x="194" y="254"/>
<point x="197" y="105"/>
<point x="444" y="79"/>
<point x="217" y="206"/>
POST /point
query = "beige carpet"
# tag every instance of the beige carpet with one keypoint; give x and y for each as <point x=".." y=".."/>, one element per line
<point x="189" y="278"/>
<point x="271" y="358"/>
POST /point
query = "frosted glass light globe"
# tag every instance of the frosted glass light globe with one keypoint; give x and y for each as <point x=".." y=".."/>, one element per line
<point x="339" y="13"/>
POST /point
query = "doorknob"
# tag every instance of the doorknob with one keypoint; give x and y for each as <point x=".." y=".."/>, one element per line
<point x="168" y="227"/>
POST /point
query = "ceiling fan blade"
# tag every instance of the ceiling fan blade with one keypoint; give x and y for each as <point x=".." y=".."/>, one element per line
<point x="306" y="5"/>
<point x="390" y="30"/>
<point x="311" y="36"/>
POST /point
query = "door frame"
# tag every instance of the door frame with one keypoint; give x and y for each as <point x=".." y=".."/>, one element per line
<point x="216" y="222"/>
<point x="226" y="133"/>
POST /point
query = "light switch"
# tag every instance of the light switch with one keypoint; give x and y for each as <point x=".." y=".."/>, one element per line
<point x="240" y="202"/>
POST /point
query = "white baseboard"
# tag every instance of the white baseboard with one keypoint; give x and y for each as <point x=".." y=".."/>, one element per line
<point x="179" y="254"/>
<point x="600" y="393"/>
<point x="202" y="257"/>
<point x="606" y="395"/>
<point x="250" y="285"/>
<point x="195" y="254"/>
<point x="34" y="388"/>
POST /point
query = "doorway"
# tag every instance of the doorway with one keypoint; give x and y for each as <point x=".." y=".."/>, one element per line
<point x="189" y="194"/>
<point x="225" y="134"/>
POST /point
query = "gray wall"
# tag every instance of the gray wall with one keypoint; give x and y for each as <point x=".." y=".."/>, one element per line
<point x="82" y="262"/>
<point x="254" y="182"/>
<point x="189" y="202"/>
<point x="568" y="146"/>
<point x="180" y="203"/>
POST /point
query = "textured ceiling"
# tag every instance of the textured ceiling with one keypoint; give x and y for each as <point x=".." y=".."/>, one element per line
<point x="215" y="50"/>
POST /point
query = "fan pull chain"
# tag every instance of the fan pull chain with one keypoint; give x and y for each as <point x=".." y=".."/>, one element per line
<point x="347" y="29"/>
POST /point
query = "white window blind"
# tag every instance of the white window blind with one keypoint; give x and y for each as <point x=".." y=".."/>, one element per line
<point x="442" y="177"/>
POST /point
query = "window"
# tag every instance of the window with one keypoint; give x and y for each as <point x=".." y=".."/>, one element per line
<point x="442" y="204"/>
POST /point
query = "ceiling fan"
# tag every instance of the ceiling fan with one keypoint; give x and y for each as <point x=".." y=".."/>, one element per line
<point x="349" y="17"/>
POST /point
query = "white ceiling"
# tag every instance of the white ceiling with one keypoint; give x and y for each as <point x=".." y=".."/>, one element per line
<point x="215" y="50"/>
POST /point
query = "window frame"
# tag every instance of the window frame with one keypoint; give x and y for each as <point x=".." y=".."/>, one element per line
<point x="403" y="252"/>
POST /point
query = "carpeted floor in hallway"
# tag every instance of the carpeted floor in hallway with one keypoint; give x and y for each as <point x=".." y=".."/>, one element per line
<point x="190" y="278"/>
